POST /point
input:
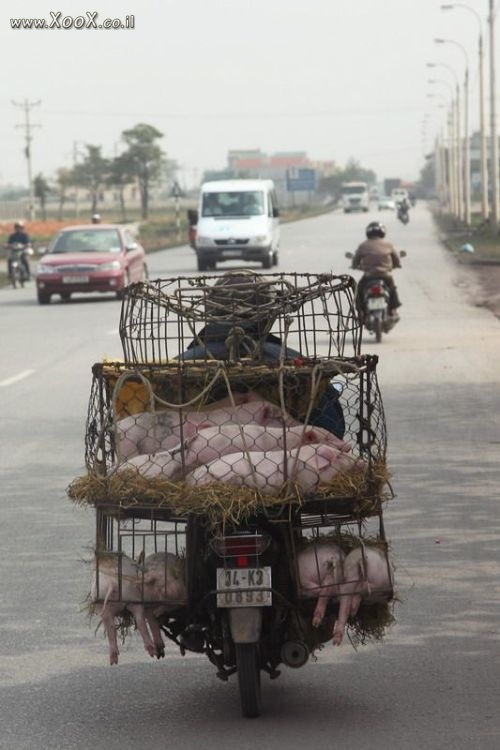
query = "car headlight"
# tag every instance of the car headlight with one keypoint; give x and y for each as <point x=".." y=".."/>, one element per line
<point x="203" y="240"/>
<point x="115" y="265"/>
<point x="261" y="239"/>
<point x="44" y="269"/>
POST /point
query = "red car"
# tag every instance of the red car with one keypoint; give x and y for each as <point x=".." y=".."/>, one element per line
<point x="90" y="258"/>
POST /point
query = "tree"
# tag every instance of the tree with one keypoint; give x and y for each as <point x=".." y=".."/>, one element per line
<point x="91" y="173"/>
<point x="121" y="174"/>
<point x="354" y="172"/>
<point x="42" y="189"/>
<point x="64" y="178"/>
<point x="145" y="158"/>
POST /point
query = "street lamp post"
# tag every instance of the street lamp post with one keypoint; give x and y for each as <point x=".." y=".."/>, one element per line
<point x="466" y="164"/>
<point x="482" y="117"/>
<point x="447" y="167"/>
<point x="493" y="116"/>
<point x="455" y="141"/>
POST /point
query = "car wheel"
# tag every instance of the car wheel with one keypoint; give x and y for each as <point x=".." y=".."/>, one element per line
<point x="268" y="261"/>
<point x="66" y="296"/>
<point x="121" y="293"/>
<point x="275" y="258"/>
<point x="202" y="265"/>
<point x="43" y="298"/>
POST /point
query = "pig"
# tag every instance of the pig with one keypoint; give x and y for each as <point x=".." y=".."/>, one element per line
<point x="163" y="583"/>
<point x="105" y="586"/>
<point x="212" y="442"/>
<point x="367" y="575"/>
<point x="148" y="433"/>
<point x="320" y="567"/>
<point x="307" y="467"/>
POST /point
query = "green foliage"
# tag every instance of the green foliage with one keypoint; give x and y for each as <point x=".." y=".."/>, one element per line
<point x="91" y="173"/>
<point x="144" y="157"/>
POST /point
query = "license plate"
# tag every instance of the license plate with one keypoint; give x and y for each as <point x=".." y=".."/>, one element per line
<point x="75" y="279"/>
<point x="228" y="253"/>
<point x="376" y="303"/>
<point x="244" y="587"/>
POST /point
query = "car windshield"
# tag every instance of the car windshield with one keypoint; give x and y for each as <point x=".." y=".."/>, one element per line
<point x="241" y="203"/>
<point x="353" y="190"/>
<point x="87" y="241"/>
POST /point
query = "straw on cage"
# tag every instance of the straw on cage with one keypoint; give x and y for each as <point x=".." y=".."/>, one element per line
<point x="219" y="501"/>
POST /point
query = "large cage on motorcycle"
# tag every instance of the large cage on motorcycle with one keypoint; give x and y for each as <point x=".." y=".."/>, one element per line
<point x="270" y="355"/>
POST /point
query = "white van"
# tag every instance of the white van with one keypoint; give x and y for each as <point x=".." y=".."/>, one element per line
<point x="355" y="197"/>
<point x="237" y="220"/>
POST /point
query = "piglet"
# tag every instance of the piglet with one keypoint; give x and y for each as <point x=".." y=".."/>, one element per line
<point x="212" y="442"/>
<point x="164" y="585"/>
<point x="320" y="566"/>
<point x="105" y="585"/>
<point x="307" y="467"/>
<point x="152" y="433"/>
<point x="367" y="575"/>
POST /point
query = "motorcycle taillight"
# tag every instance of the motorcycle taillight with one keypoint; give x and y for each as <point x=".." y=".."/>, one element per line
<point x="240" y="545"/>
<point x="376" y="291"/>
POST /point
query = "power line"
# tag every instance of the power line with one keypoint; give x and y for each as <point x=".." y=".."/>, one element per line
<point x="28" y="125"/>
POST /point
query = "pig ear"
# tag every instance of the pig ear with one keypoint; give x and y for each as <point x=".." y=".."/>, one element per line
<point x="323" y="457"/>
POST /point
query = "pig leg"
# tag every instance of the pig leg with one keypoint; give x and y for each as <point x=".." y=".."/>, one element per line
<point x="108" y="622"/>
<point x="140" y="620"/>
<point x="155" y="632"/>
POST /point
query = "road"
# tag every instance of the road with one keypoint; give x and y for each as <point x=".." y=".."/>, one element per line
<point x="431" y="683"/>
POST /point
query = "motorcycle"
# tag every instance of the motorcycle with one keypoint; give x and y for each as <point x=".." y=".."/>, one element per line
<point x="17" y="264"/>
<point x="403" y="214"/>
<point x="239" y="572"/>
<point x="375" y="306"/>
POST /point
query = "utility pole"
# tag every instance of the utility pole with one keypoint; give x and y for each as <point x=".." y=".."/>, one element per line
<point x="493" y="115"/>
<point x="27" y="125"/>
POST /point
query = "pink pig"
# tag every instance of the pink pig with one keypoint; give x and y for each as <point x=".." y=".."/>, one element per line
<point x="321" y="574"/>
<point x="105" y="585"/>
<point x="367" y="575"/>
<point x="164" y="584"/>
<point x="148" y="433"/>
<point x="307" y="467"/>
<point x="212" y="442"/>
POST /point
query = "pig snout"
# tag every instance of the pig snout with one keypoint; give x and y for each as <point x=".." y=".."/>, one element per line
<point x="321" y="573"/>
<point x="367" y="575"/>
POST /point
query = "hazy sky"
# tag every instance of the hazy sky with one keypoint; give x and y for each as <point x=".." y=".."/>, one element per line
<point x="335" y="78"/>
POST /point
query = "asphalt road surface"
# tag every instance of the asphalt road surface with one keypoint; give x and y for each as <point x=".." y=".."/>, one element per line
<point x="432" y="683"/>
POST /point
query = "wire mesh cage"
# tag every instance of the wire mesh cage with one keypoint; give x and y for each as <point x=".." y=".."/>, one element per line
<point x="188" y="437"/>
<point x="240" y="315"/>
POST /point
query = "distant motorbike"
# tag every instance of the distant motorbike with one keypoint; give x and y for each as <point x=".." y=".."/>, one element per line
<point x="375" y="306"/>
<point x="18" y="264"/>
<point x="403" y="214"/>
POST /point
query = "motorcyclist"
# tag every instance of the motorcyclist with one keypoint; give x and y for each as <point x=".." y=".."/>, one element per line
<point x="403" y="207"/>
<point x="96" y="219"/>
<point x="20" y="237"/>
<point x="377" y="257"/>
<point x="243" y="296"/>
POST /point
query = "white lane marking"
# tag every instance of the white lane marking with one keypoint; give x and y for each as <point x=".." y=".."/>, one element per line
<point x="17" y="378"/>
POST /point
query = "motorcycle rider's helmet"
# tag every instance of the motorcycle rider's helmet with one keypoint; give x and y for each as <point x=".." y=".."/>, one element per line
<point x="244" y="293"/>
<point x="96" y="218"/>
<point x="19" y="225"/>
<point x="375" y="229"/>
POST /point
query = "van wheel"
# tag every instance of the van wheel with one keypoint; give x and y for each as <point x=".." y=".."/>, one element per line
<point x="268" y="261"/>
<point x="275" y="258"/>
<point x="202" y="265"/>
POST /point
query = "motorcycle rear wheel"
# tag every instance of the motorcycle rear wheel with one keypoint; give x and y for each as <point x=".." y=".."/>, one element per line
<point x="247" y="662"/>
<point x="378" y="330"/>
